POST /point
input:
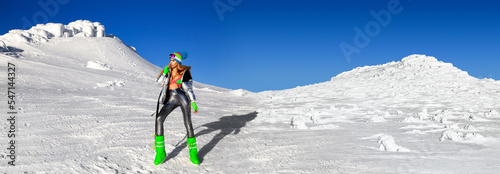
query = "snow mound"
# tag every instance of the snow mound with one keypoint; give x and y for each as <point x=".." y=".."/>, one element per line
<point x="378" y="119"/>
<point x="240" y="92"/>
<point x="414" y="131"/>
<point x="491" y="113"/>
<point x="412" y="119"/>
<point x="298" y="123"/>
<point x="413" y="71"/>
<point x="457" y="127"/>
<point x="97" y="65"/>
<point x="133" y="48"/>
<point x="424" y="116"/>
<point x="387" y="143"/>
<point x="462" y="137"/>
<point x="111" y="84"/>
<point x="43" y="32"/>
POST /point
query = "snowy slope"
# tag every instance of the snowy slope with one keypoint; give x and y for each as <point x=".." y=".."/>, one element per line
<point x="85" y="103"/>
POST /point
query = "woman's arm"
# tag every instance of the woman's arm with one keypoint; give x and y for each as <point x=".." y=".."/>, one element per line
<point x="188" y="88"/>
<point x="159" y="74"/>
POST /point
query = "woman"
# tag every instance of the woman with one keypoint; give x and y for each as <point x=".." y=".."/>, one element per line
<point x="177" y="91"/>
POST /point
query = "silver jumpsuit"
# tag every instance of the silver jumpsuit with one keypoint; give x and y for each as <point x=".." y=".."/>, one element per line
<point x="178" y="97"/>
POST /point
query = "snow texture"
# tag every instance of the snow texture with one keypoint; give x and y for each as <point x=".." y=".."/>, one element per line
<point x="111" y="84"/>
<point x="85" y="101"/>
<point x="97" y="65"/>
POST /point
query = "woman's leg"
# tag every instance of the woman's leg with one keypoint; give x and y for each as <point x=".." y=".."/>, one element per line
<point x="191" y="140"/>
<point x="160" y="118"/>
<point x="184" y="102"/>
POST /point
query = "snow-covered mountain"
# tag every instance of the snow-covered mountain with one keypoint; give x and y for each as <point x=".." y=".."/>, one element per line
<point x="85" y="100"/>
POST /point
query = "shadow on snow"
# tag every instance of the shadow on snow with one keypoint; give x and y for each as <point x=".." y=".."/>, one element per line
<point x="226" y="125"/>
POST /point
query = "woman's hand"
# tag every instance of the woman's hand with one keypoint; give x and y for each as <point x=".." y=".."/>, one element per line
<point x="195" y="107"/>
<point x="166" y="70"/>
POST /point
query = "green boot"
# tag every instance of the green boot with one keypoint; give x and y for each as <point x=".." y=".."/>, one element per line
<point x="193" y="151"/>
<point x="160" y="149"/>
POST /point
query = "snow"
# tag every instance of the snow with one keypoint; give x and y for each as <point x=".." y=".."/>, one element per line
<point x="85" y="101"/>
<point x="461" y="136"/>
<point x="97" y="65"/>
<point x="43" y="32"/>
<point x="111" y="84"/>
<point x="240" y="92"/>
<point x="3" y="47"/>
<point x="387" y="143"/>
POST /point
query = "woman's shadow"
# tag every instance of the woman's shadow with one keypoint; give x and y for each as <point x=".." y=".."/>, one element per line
<point x="226" y="125"/>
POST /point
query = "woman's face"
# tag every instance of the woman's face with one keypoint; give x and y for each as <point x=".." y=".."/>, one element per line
<point x="173" y="63"/>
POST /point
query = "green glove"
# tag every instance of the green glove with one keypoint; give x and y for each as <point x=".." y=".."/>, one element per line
<point x="166" y="70"/>
<point x="195" y="107"/>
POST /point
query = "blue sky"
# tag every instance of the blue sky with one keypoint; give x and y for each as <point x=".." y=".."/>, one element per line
<point x="262" y="45"/>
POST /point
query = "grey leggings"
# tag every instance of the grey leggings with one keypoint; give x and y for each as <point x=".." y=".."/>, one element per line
<point x="177" y="98"/>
